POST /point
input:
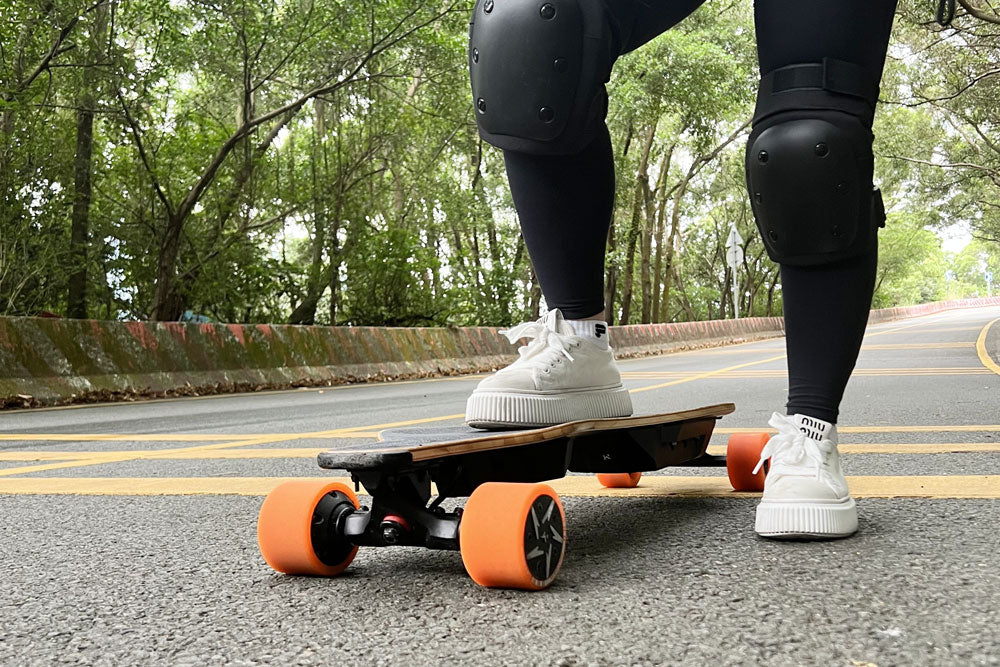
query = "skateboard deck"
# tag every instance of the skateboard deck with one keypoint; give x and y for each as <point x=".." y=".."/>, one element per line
<point x="624" y="444"/>
<point x="511" y="532"/>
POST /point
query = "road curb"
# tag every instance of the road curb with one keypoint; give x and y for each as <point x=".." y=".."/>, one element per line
<point x="46" y="361"/>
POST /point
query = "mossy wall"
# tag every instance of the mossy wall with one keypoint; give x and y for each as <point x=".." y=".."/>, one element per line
<point x="48" y="361"/>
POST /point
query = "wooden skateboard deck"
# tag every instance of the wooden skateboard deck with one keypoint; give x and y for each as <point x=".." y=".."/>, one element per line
<point x="627" y="444"/>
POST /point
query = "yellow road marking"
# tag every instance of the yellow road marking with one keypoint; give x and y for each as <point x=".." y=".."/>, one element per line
<point x="313" y="452"/>
<point x="781" y="373"/>
<point x="701" y="376"/>
<point x="192" y="453"/>
<point x="903" y="448"/>
<point x="924" y="486"/>
<point x="959" y="428"/>
<point x="408" y="422"/>
<point x="121" y="456"/>
<point x="882" y="332"/>
<point x="943" y="329"/>
<point x="359" y="431"/>
<point x="984" y="356"/>
<point x="779" y="357"/>
<point x="878" y="346"/>
<point x="176" y="399"/>
<point x="152" y="437"/>
<point x="916" y="346"/>
<point x="175" y="455"/>
<point x="712" y="351"/>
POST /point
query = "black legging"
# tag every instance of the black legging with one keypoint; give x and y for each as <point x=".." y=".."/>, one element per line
<point x="565" y="202"/>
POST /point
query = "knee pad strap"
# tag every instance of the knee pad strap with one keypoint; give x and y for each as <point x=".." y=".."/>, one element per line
<point x="829" y="84"/>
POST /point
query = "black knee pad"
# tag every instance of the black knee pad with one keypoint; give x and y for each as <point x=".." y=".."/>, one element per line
<point x="809" y="176"/>
<point x="538" y="69"/>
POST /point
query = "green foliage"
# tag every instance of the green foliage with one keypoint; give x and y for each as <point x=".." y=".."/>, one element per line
<point x="911" y="266"/>
<point x="967" y="272"/>
<point x="318" y="162"/>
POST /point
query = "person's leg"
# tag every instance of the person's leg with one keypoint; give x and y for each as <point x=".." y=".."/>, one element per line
<point x="564" y="204"/>
<point x="809" y="174"/>
<point x="563" y="184"/>
<point x="826" y="305"/>
<point x="538" y="70"/>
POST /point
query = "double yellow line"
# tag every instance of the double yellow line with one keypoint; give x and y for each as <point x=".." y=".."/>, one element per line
<point x="122" y="456"/>
<point x="922" y="486"/>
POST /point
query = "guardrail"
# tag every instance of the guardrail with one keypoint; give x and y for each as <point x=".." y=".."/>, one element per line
<point x="46" y="361"/>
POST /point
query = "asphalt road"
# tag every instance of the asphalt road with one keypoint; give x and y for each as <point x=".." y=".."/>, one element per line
<point x="127" y="532"/>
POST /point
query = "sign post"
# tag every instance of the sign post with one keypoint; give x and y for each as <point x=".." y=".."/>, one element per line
<point x="734" y="258"/>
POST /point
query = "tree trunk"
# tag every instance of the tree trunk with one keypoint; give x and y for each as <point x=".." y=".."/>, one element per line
<point x="770" y="295"/>
<point x="167" y="304"/>
<point x="675" y="224"/>
<point x="535" y="295"/>
<point x="316" y="284"/>
<point x="76" y="299"/>
<point x="654" y="210"/>
<point x="724" y="295"/>
<point x="334" y="291"/>
<point x="685" y="301"/>
<point x="645" y="249"/>
<point x="679" y="191"/>
<point x="641" y="184"/>
<point x="611" y="282"/>
<point x="661" y="207"/>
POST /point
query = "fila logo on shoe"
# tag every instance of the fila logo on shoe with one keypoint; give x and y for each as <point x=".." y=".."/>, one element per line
<point x="600" y="330"/>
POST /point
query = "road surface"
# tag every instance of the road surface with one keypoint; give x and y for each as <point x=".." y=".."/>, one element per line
<point x="127" y="532"/>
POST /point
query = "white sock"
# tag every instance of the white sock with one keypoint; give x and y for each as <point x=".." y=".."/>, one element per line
<point x="814" y="428"/>
<point x="594" y="331"/>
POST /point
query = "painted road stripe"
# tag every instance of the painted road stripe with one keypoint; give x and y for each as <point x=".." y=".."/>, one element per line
<point x="924" y="486"/>
<point x="121" y="456"/>
<point x="874" y="346"/>
<point x="288" y="437"/>
<point x="702" y="376"/>
<point x="916" y="346"/>
<point x="118" y="457"/>
<point x="929" y="329"/>
<point x="879" y="346"/>
<point x="754" y="363"/>
<point x="152" y="437"/>
<point x="313" y="452"/>
<point x="984" y="355"/>
<point x="320" y="390"/>
<point x="903" y="448"/>
<point x="958" y="428"/>
<point x="780" y="373"/>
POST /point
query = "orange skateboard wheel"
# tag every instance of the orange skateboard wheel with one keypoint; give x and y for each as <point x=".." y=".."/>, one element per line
<point x="286" y="525"/>
<point x="619" y="480"/>
<point x="742" y="455"/>
<point x="513" y="535"/>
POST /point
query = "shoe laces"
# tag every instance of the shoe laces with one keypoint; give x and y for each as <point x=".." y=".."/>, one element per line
<point x="542" y="339"/>
<point x="793" y="447"/>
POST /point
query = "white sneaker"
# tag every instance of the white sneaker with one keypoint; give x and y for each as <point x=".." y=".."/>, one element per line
<point x="805" y="492"/>
<point x="558" y="377"/>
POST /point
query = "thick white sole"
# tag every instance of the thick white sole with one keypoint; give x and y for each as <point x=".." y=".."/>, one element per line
<point x="494" y="409"/>
<point x="814" y="519"/>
